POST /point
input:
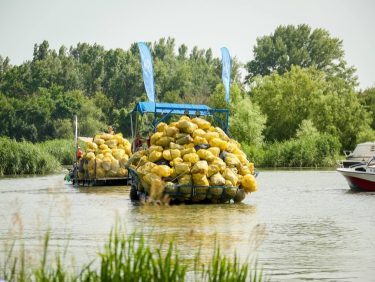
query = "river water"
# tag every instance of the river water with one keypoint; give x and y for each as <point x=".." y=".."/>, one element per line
<point x="300" y="225"/>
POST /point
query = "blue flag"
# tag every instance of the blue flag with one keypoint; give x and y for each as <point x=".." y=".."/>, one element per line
<point x="225" y="57"/>
<point x="147" y="70"/>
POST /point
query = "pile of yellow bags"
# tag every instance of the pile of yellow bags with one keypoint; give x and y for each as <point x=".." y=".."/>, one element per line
<point x="106" y="156"/>
<point x="191" y="151"/>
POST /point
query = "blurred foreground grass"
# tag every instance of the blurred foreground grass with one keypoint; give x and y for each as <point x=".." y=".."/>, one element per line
<point x="127" y="258"/>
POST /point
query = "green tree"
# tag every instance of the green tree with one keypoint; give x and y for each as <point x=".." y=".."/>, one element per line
<point x="4" y="65"/>
<point x="367" y="99"/>
<point x="63" y="129"/>
<point x="299" y="46"/>
<point x="90" y="117"/>
<point x="306" y="129"/>
<point x="302" y="94"/>
<point x="246" y="122"/>
<point x="7" y="115"/>
<point x="109" y="83"/>
<point x="16" y="81"/>
<point x="41" y="51"/>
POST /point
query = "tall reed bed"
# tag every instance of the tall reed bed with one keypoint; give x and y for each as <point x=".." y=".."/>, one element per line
<point x="310" y="151"/>
<point x="130" y="258"/>
<point x="25" y="158"/>
<point x="63" y="150"/>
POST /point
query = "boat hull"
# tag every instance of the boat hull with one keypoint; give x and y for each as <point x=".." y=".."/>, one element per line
<point x="359" y="180"/>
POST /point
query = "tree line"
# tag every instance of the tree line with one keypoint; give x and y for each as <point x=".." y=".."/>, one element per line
<point x="298" y="75"/>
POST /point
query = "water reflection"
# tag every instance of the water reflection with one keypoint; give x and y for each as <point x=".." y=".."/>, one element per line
<point x="301" y="225"/>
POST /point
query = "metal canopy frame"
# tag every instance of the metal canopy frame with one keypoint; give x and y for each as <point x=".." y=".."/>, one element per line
<point x="168" y="109"/>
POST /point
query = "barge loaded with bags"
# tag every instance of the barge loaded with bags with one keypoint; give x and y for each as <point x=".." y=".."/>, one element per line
<point x="190" y="160"/>
<point x="104" y="161"/>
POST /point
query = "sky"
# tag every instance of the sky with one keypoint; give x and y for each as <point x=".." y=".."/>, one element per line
<point x="207" y="24"/>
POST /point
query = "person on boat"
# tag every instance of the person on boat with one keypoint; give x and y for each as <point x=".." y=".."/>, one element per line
<point x="138" y="142"/>
<point x="110" y="130"/>
<point x="186" y="113"/>
<point x="79" y="153"/>
<point x="149" y="141"/>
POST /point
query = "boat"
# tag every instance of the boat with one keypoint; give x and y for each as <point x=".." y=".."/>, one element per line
<point x="361" y="176"/>
<point x="361" y="155"/>
<point x="174" y="192"/>
<point x="79" y="174"/>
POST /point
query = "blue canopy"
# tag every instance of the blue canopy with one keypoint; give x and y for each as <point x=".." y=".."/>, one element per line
<point x="179" y="109"/>
<point x="168" y="109"/>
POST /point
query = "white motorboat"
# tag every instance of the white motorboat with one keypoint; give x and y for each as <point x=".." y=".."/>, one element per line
<point x="360" y="176"/>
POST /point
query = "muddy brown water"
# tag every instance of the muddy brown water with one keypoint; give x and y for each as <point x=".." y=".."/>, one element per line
<point x="300" y="225"/>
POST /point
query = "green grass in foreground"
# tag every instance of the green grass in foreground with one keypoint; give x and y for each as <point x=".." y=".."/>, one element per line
<point x="129" y="258"/>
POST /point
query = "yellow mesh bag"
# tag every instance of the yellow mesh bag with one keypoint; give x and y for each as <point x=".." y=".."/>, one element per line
<point x="112" y="143"/>
<point x="90" y="156"/>
<point x="199" y="132"/>
<point x="217" y="142"/>
<point x="200" y="140"/>
<point x="162" y="170"/>
<point x="171" y="131"/>
<point x="161" y="127"/>
<point x="145" y="168"/>
<point x="99" y="141"/>
<point x="191" y="158"/>
<point x="91" y="164"/>
<point x="100" y="172"/>
<point x="212" y="169"/>
<point x="205" y="155"/>
<point x="186" y="126"/>
<point x="187" y="151"/>
<point x="215" y="151"/>
<point x="176" y="161"/>
<point x="155" y="156"/>
<point x="182" y="168"/>
<point x="249" y="183"/>
<point x="115" y="165"/>
<point x="211" y="135"/>
<point x="171" y="154"/>
<point x="220" y="163"/>
<point x="222" y="134"/>
<point x="200" y="167"/>
<point x="122" y="172"/>
<point x="106" y="164"/>
<point x="231" y="176"/>
<point x="173" y="145"/>
<point x="200" y="179"/>
<point x="164" y="141"/>
<point x="231" y="160"/>
<point x="103" y="147"/>
<point x="187" y="139"/>
<point x="217" y="180"/>
<point x="155" y="148"/>
<point x="202" y="123"/>
<point x="185" y="179"/>
<point x="155" y="137"/>
<point x="92" y="146"/>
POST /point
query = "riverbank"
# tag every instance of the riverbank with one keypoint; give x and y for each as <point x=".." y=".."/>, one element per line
<point x="48" y="157"/>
